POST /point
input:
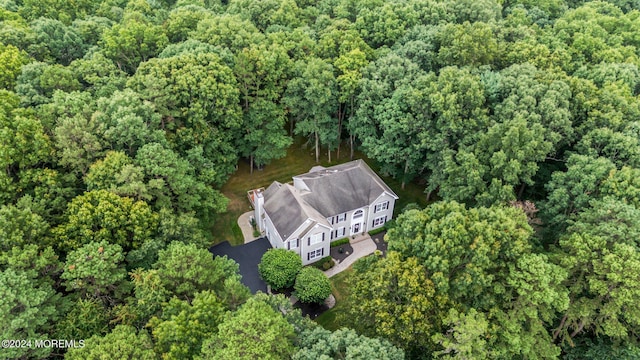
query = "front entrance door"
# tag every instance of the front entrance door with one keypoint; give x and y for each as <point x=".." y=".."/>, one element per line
<point x="355" y="228"/>
<point x="356" y="221"/>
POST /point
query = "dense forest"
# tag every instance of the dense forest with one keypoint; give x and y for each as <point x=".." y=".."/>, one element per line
<point x="121" y="120"/>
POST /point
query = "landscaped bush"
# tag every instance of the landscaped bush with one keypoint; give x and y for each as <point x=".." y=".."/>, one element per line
<point x="279" y="268"/>
<point x="340" y="242"/>
<point x="325" y="263"/>
<point x="312" y="286"/>
<point x="377" y="231"/>
<point x="388" y="225"/>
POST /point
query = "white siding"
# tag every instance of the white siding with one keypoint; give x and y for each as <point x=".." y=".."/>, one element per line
<point x="373" y="214"/>
<point x="306" y="248"/>
<point x="299" y="184"/>
<point x="272" y="234"/>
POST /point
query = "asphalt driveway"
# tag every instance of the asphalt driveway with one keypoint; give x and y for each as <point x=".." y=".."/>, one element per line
<point x="248" y="256"/>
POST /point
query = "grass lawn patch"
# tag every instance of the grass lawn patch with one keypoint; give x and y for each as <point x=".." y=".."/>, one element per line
<point x="330" y="320"/>
<point x="299" y="160"/>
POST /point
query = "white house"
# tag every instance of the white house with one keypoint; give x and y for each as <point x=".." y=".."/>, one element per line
<point x="321" y="206"/>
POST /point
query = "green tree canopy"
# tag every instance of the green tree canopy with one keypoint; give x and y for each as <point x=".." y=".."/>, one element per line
<point x="28" y="309"/>
<point x="279" y="268"/>
<point x="185" y="270"/>
<point x="256" y="320"/>
<point x="465" y="251"/>
<point x="132" y="42"/>
<point x="344" y="344"/>
<point x="198" y="99"/>
<point x="11" y="61"/>
<point x="123" y="342"/>
<point x="403" y="298"/>
<point x="311" y="98"/>
<point x="100" y="215"/>
<point x="312" y="286"/>
<point x="95" y="271"/>
<point x="182" y="327"/>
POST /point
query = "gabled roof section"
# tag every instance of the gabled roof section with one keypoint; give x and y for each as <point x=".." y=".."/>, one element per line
<point x="343" y="187"/>
<point x="287" y="210"/>
<point x="272" y="189"/>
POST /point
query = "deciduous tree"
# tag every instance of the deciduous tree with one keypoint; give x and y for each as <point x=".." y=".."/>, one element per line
<point x="182" y="327"/>
<point x="100" y="215"/>
<point x="311" y="101"/>
<point x="402" y="295"/>
<point x="279" y="268"/>
<point x="344" y="344"/>
<point x="272" y="334"/>
<point x="312" y="286"/>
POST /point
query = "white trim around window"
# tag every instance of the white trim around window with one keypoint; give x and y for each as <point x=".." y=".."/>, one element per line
<point x="316" y="238"/>
<point x="312" y="255"/>
<point x="293" y="244"/>
<point x="381" y="207"/>
<point x="379" y="221"/>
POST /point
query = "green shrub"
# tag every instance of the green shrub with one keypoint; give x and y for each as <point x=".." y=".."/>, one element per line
<point x="325" y="263"/>
<point x="279" y="268"/>
<point x="312" y="286"/>
<point x="388" y="225"/>
<point x="340" y="242"/>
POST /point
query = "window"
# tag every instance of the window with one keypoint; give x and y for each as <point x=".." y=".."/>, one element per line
<point x="358" y="214"/>
<point x="341" y="231"/>
<point x="315" y="254"/>
<point x="379" y="221"/>
<point x="381" y="207"/>
<point x="338" y="218"/>
<point x="293" y="244"/>
<point x="315" y="238"/>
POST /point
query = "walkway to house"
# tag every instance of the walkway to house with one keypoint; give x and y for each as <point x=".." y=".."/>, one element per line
<point x="362" y="246"/>
<point x="245" y="226"/>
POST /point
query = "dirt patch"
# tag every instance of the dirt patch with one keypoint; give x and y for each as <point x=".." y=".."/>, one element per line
<point x="381" y="245"/>
<point x="311" y="310"/>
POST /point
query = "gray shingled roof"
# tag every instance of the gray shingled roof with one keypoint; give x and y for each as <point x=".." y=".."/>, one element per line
<point x="334" y="190"/>
<point x="284" y="210"/>
<point x="272" y="189"/>
<point x="343" y="187"/>
<point x="287" y="210"/>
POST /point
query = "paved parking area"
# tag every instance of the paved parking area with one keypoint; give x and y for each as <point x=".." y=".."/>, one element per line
<point x="248" y="256"/>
